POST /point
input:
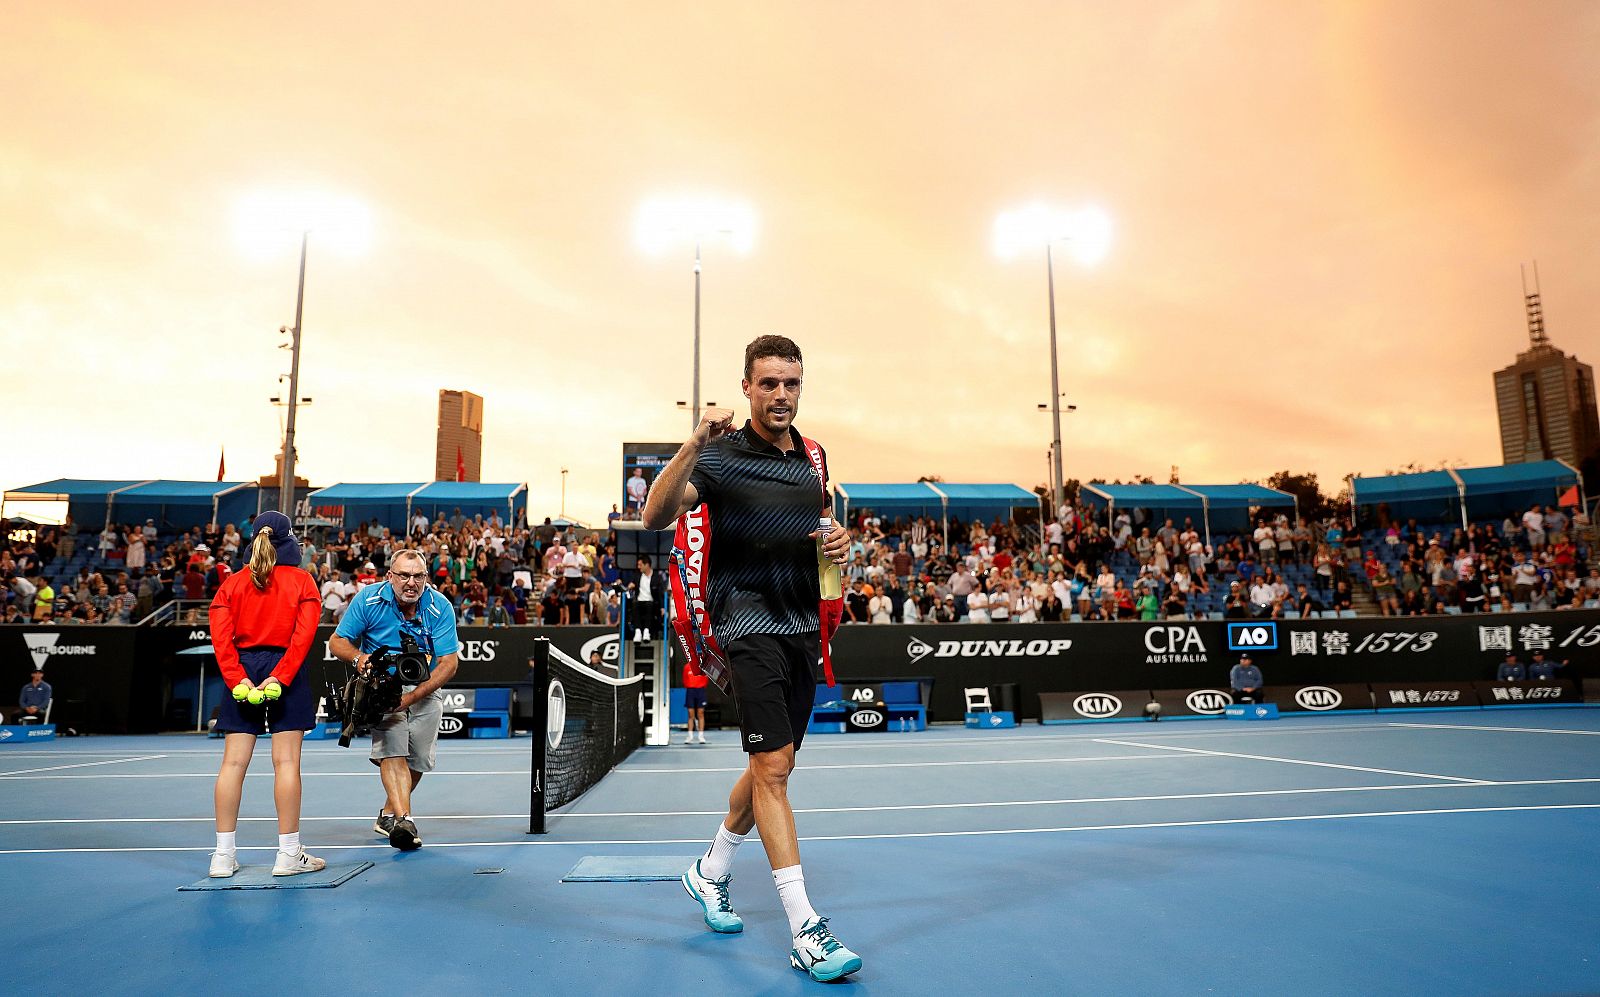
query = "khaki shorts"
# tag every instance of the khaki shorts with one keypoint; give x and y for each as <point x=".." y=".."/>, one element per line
<point x="411" y="734"/>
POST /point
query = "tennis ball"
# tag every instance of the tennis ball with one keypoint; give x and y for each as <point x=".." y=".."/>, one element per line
<point x="256" y="697"/>
<point x="272" y="690"/>
<point x="241" y="691"/>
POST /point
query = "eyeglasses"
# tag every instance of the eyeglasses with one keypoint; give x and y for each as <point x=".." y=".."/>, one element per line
<point x="410" y="576"/>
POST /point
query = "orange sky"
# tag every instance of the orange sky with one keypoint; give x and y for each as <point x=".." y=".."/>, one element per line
<point x="1319" y="208"/>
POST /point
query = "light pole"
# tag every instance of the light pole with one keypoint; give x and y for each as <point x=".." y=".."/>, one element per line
<point x="665" y="221"/>
<point x="286" y="482"/>
<point x="1087" y="233"/>
<point x="563" y="493"/>
<point x="260" y="222"/>
<point x="1058" y="487"/>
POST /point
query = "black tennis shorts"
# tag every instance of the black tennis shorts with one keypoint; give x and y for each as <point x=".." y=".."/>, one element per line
<point x="775" y="684"/>
<point x="694" y="699"/>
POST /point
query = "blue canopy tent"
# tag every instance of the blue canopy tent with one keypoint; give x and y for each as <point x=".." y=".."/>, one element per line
<point x="1161" y="501"/>
<point x="178" y="504"/>
<point x="1430" y="496"/>
<point x="182" y="504"/>
<point x="472" y="498"/>
<point x="1434" y="496"/>
<point x="1227" y="507"/>
<point x="1512" y="488"/>
<point x="87" y="498"/>
<point x="392" y="503"/>
<point x="351" y="503"/>
<point x="921" y="498"/>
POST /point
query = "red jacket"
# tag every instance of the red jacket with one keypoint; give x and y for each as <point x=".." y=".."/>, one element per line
<point x="284" y="615"/>
<point x="693" y="677"/>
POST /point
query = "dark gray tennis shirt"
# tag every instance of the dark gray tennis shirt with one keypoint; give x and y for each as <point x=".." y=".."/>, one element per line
<point x="764" y="504"/>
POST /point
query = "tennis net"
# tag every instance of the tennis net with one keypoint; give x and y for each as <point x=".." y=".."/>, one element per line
<point x="592" y="722"/>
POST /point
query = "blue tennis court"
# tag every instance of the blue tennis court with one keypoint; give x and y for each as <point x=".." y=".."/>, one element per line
<point x="1437" y="853"/>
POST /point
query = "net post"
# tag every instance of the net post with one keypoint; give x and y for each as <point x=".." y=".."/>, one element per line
<point x="541" y="734"/>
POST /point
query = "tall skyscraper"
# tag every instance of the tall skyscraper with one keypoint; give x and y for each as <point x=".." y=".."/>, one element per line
<point x="459" y="454"/>
<point x="1546" y="399"/>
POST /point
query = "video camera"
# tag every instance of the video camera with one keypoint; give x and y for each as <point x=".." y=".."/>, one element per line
<point x="368" y="697"/>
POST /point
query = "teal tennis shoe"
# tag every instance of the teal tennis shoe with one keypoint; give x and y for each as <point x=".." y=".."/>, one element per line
<point x="818" y="953"/>
<point x="712" y="896"/>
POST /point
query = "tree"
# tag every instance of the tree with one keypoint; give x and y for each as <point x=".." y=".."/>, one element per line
<point x="1304" y="487"/>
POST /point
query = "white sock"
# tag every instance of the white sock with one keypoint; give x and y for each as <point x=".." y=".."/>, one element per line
<point x="791" y="883"/>
<point x="226" y="842"/>
<point x="289" y="844"/>
<point x="719" y="857"/>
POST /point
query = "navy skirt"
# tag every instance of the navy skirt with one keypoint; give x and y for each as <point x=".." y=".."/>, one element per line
<point x="295" y="710"/>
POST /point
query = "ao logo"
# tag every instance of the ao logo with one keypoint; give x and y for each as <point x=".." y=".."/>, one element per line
<point x="1254" y="637"/>
<point x="1209" y="701"/>
<point x="1097" y="705"/>
<point x="866" y="718"/>
<point x="557" y="723"/>
<point x="450" y="724"/>
<point x="1318" y="697"/>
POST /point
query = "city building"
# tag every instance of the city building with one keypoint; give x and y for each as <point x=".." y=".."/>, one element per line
<point x="459" y="453"/>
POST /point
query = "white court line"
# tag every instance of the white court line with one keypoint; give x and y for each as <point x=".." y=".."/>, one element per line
<point x="1518" y="730"/>
<point x="887" y="808"/>
<point x="621" y="769"/>
<point x="79" y="765"/>
<point x="836" y="837"/>
<point x="626" y="770"/>
<point x="1288" y="761"/>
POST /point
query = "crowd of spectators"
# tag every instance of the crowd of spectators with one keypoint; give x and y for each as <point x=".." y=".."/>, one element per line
<point x="1077" y="566"/>
<point x="1081" y="567"/>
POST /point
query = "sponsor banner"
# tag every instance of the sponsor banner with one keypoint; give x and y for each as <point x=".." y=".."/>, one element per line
<point x="1252" y="636"/>
<point x="1187" y="704"/>
<point x="91" y="671"/>
<point x="26" y="733"/>
<point x="1320" y="698"/>
<point x="459" y="700"/>
<point x="1251" y="711"/>
<point x="866" y="719"/>
<point x="453" y="725"/>
<point x="857" y="692"/>
<point x="1424" y="696"/>
<point x="1178" y="654"/>
<point x="1526" y="693"/>
<point x="1068" y="707"/>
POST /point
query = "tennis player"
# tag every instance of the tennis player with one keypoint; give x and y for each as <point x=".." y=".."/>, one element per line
<point x="263" y="621"/>
<point x="764" y="497"/>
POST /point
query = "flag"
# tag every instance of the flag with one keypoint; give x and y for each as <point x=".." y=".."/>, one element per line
<point x="222" y="464"/>
<point x="1568" y="497"/>
<point x="461" y="466"/>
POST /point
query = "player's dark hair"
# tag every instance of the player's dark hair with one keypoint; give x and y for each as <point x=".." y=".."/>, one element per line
<point x="762" y="347"/>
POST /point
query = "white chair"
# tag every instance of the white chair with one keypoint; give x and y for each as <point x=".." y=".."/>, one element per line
<point x="978" y="700"/>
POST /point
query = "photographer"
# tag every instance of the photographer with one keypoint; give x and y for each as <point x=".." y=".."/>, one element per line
<point x="403" y="744"/>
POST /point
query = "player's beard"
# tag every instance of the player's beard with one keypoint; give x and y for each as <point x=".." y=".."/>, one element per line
<point x="779" y="426"/>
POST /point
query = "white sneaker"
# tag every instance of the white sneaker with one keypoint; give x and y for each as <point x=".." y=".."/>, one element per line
<point x="223" y="865"/>
<point x="638" y="636"/>
<point x="819" y="954"/>
<point x="702" y="739"/>
<point x="294" y="865"/>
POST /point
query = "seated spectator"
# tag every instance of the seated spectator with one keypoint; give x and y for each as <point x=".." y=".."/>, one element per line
<point x="1511" y="669"/>
<point x="1245" y="678"/>
<point x="1307" y="603"/>
<point x="1383" y="588"/>
<point x="33" y="700"/>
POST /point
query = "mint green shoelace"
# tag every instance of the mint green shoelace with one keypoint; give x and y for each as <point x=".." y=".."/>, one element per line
<point x="724" y="905"/>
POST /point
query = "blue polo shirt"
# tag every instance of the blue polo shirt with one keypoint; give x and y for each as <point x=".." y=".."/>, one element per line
<point x="373" y="620"/>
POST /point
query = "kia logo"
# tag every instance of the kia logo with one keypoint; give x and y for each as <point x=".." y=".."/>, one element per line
<point x="1318" y="697"/>
<point x="1097" y="705"/>
<point x="866" y="718"/>
<point x="451" y="724"/>
<point x="1209" y="701"/>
